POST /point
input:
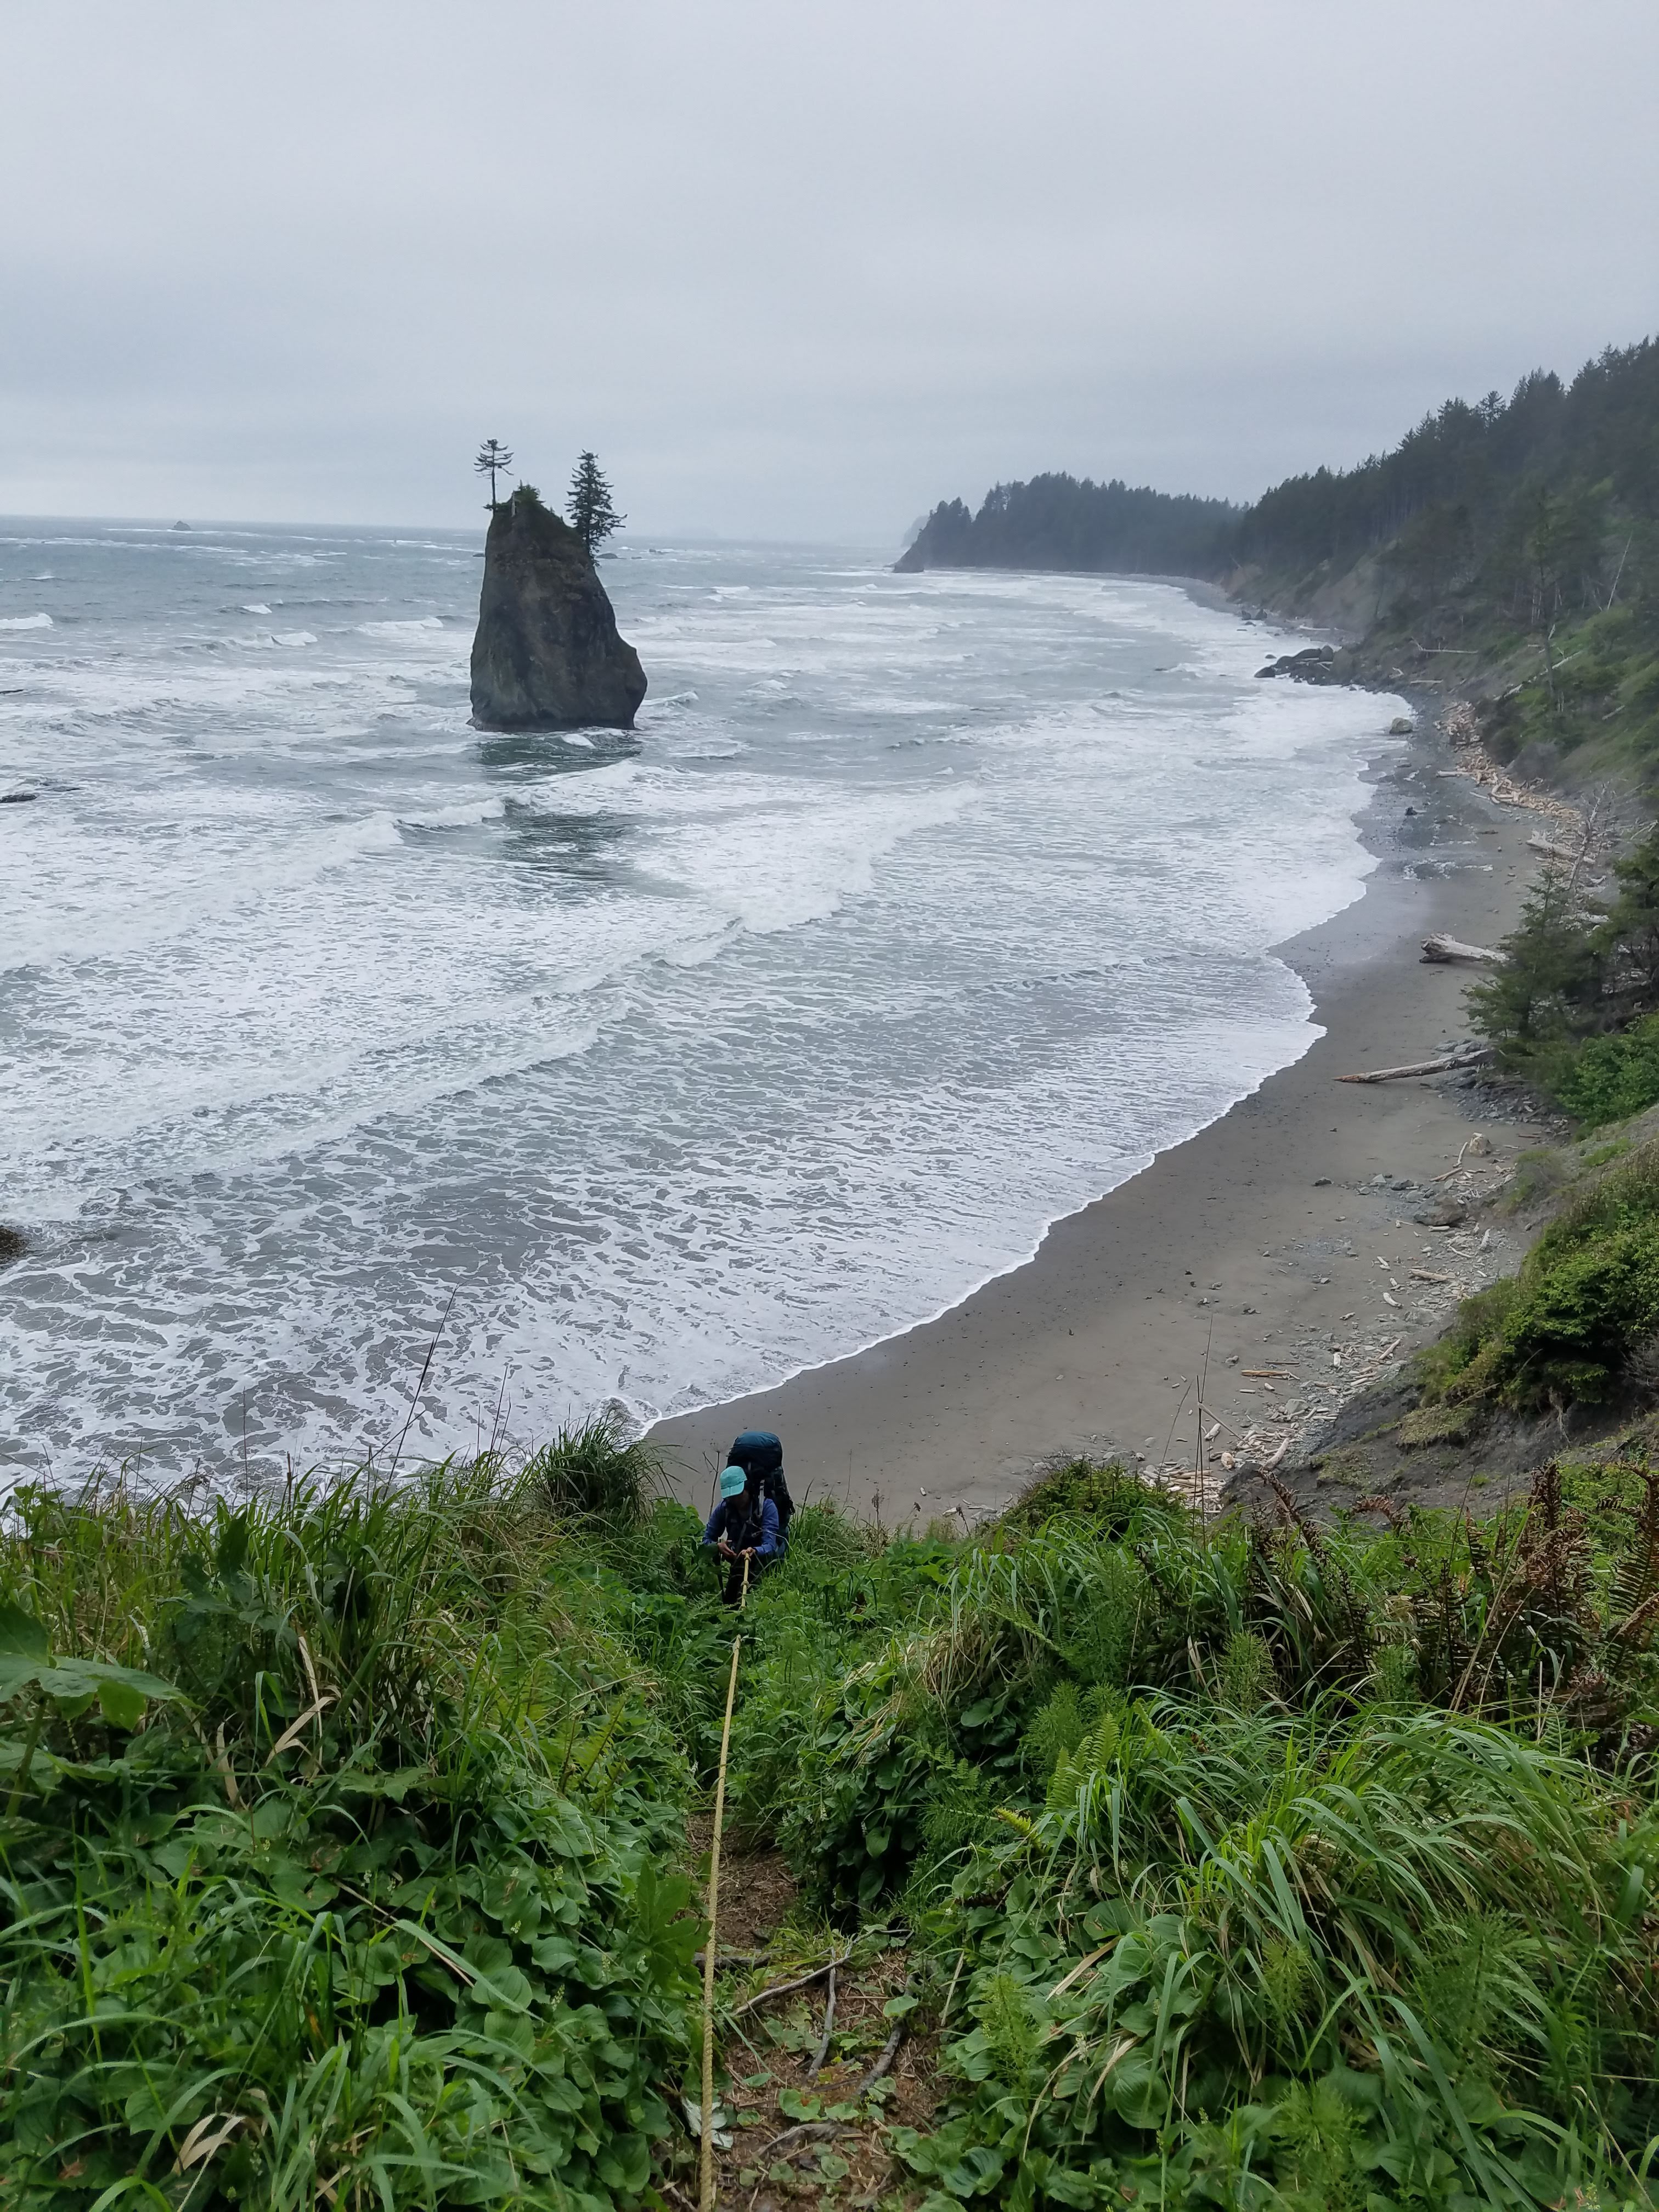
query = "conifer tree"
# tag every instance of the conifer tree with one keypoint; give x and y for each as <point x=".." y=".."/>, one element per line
<point x="491" y="456"/>
<point x="1546" y="993"/>
<point x="592" y="516"/>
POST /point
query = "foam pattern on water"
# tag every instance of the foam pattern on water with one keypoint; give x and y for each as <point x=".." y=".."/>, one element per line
<point x="920" y="911"/>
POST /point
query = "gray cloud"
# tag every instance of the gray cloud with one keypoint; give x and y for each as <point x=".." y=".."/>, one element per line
<point x="795" y="269"/>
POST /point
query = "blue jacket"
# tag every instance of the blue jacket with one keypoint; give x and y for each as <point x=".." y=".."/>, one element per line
<point x="741" y="1530"/>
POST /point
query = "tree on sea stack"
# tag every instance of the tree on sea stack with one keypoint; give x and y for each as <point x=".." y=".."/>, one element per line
<point x="592" y="517"/>
<point x="492" y="456"/>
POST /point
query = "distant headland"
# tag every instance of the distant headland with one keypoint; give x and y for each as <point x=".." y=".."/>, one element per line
<point x="1508" y="549"/>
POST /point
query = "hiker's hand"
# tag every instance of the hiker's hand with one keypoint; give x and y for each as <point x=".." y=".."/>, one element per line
<point x="726" y="1552"/>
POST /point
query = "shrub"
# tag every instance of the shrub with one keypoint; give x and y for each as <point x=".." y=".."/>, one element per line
<point x="374" y="1914"/>
<point x="1102" y="1494"/>
<point x="1611" y="1078"/>
<point x="589" y="1473"/>
<point x="1583" y="1306"/>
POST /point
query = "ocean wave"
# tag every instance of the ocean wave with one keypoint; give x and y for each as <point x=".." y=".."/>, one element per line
<point x="26" y="622"/>
<point x="711" y="1060"/>
<point x="456" y="817"/>
<point x="202" y="890"/>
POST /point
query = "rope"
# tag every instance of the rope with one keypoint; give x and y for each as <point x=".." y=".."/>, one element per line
<point x="707" y="2178"/>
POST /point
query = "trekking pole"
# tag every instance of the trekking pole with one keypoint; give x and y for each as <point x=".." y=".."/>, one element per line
<point x="708" y="2176"/>
<point x="742" y="1601"/>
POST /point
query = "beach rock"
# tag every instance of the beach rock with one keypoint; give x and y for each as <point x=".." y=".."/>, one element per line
<point x="1399" y="727"/>
<point x="546" y="655"/>
<point x="1311" y="667"/>
<point x="1447" y="1213"/>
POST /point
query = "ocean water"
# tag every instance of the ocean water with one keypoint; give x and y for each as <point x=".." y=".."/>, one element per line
<point x="919" y="911"/>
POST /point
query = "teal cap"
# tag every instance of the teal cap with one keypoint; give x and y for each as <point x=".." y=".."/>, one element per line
<point x="733" y="1482"/>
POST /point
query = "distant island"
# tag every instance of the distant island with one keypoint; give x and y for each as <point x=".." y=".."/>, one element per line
<point x="1510" y="548"/>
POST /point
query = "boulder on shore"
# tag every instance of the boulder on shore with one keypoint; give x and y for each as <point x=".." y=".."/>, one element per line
<point x="546" y="655"/>
<point x="1312" y="665"/>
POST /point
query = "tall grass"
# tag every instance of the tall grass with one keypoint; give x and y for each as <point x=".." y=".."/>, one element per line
<point x="1261" y="1866"/>
<point x="592" y="1473"/>
<point x="371" y="1914"/>
<point x="1274" y="1865"/>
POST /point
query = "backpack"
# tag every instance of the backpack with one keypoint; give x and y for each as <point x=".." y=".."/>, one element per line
<point x="758" y="1452"/>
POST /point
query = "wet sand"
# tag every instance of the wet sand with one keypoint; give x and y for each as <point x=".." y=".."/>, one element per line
<point x="1261" y="1233"/>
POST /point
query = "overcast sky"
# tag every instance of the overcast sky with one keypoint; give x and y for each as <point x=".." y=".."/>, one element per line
<point x="794" y="270"/>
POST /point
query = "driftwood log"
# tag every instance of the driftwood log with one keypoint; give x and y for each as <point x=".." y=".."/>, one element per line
<point x="1453" y="948"/>
<point x="1465" y="1056"/>
<point x="1551" y="850"/>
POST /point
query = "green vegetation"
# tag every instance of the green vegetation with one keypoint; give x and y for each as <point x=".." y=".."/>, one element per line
<point x="492" y="460"/>
<point x="344" y="1858"/>
<point x="1571" y="1008"/>
<point x="1269" y="1867"/>
<point x="594" y="515"/>
<point x="359" y="1900"/>
<point x="1055" y="522"/>
<point x="1610" y="1078"/>
<point x="1514" y="544"/>
<point x="1577" y="1324"/>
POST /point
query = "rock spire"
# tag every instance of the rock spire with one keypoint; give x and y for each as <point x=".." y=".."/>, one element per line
<point x="546" y="655"/>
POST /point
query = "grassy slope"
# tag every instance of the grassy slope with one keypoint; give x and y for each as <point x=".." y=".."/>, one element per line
<point x="1561" y="1355"/>
<point x="1248" y="1866"/>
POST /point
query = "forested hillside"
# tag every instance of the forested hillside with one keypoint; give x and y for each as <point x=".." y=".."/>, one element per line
<point x="1055" y="522"/>
<point x="1465" y="490"/>
<point x="1508" y="548"/>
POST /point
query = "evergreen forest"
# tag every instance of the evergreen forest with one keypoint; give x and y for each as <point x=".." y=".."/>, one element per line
<point x="1507" y="548"/>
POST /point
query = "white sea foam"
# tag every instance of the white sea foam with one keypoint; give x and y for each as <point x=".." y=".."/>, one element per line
<point x="459" y="817"/>
<point x="26" y="622"/>
<point x="918" y="911"/>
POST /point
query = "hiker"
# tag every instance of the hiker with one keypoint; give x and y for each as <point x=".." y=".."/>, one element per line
<point x="743" y="1526"/>
<point x="758" y="1452"/>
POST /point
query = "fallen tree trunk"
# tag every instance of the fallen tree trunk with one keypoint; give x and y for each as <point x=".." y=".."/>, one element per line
<point x="1465" y="1056"/>
<point x="1552" y="851"/>
<point x="1453" y="948"/>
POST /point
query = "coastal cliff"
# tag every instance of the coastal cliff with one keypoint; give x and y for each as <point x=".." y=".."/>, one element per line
<point x="1505" y="550"/>
<point x="546" y="655"/>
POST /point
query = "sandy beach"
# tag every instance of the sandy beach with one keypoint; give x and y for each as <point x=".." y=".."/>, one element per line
<point x="1253" y="1246"/>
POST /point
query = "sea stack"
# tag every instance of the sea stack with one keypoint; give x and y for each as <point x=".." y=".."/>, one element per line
<point x="546" y="655"/>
